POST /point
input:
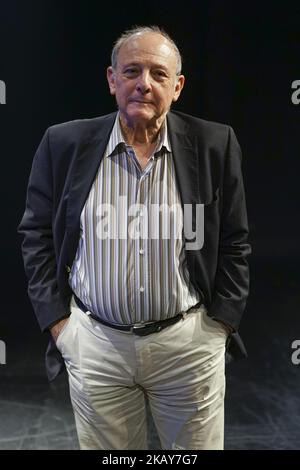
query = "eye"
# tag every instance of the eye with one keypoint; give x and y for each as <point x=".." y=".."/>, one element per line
<point x="160" y="73"/>
<point x="131" y="71"/>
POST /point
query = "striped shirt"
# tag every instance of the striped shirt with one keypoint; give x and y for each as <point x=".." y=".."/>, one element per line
<point x="130" y="264"/>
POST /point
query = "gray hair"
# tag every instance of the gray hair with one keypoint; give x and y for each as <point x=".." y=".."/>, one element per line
<point x="142" y="30"/>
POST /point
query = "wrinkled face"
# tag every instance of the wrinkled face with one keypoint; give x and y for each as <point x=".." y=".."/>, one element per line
<point x="145" y="81"/>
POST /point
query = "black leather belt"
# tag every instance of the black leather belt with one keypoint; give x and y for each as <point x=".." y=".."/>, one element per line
<point x="140" y="329"/>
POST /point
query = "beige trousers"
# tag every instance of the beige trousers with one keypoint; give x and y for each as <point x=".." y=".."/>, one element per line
<point x="180" y="369"/>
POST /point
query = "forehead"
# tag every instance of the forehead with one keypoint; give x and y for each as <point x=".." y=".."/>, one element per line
<point x="149" y="47"/>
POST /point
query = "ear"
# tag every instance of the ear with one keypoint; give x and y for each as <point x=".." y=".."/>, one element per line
<point x="178" y="87"/>
<point x="110" y="75"/>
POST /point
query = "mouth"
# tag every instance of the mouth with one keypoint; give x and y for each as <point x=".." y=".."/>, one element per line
<point x="141" y="101"/>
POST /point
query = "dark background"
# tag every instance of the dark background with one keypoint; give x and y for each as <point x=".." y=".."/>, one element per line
<point x="240" y="59"/>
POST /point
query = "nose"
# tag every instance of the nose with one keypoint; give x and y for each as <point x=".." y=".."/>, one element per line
<point x="143" y="83"/>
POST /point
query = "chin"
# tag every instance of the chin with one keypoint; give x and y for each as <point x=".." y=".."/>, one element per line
<point x="140" y="116"/>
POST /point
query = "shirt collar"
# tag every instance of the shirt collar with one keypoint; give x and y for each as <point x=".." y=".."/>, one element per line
<point x="116" y="138"/>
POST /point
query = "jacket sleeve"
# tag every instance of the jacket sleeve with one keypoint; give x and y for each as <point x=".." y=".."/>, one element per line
<point x="232" y="277"/>
<point x="37" y="246"/>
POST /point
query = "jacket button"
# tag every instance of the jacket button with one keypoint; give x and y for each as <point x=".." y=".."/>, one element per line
<point x="68" y="269"/>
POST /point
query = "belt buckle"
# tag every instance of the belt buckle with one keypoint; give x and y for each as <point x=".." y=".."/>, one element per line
<point x="139" y="327"/>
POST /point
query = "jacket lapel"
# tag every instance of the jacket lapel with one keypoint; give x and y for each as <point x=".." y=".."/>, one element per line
<point x="185" y="157"/>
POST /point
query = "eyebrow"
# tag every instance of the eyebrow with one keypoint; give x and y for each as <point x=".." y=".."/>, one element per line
<point x="137" y="64"/>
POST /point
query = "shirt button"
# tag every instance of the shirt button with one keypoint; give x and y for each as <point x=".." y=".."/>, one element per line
<point x="142" y="289"/>
<point x="142" y="251"/>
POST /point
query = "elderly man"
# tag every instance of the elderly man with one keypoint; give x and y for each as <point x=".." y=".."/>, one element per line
<point x="134" y="307"/>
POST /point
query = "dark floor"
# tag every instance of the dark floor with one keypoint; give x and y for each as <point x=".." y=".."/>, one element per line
<point x="262" y="398"/>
